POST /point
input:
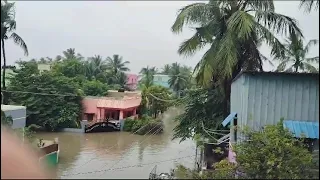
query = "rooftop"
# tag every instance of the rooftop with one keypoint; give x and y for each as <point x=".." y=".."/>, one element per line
<point x="272" y="73"/>
<point x="11" y="107"/>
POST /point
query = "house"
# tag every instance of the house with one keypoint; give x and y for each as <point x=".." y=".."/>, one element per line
<point x="161" y="80"/>
<point x="115" y="107"/>
<point x="263" y="98"/>
<point x="17" y="113"/>
<point x="132" y="81"/>
<point x="44" y="67"/>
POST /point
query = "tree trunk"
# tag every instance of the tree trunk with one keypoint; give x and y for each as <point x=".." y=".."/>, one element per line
<point x="4" y="98"/>
<point x="296" y="69"/>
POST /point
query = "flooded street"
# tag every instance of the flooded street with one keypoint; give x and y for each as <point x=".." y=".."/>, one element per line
<point x="120" y="154"/>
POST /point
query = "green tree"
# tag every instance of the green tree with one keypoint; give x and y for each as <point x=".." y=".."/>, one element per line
<point x="44" y="109"/>
<point x="147" y="76"/>
<point x="272" y="153"/>
<point x="233" y="31"/>
<point x="116" y="64"/>
<point x="201" y="109"/>
<point x="155" y="99"/>
<point x="70" y="54"/>
<point x="308" y="5"/>
<point x="166" y="69"/>
<point x="6" y="120"/>
<point x="179" y="78"/>
<point x="95" y="68"/>
<point x="95" y="88"/>
<point x="8" y="27"/>
<point x="295" y="54"/>
<point x="70" y="68"/>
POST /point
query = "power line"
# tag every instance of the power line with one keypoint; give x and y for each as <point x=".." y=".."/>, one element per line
<point x="126" y="167"/>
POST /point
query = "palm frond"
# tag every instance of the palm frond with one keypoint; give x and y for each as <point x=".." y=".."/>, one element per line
<point x="241" y="22"/>
<point x="19" y="41"/>
<point x="282" y="66"/>
<point x="310" y="68"/>
<point x="313" y="59"/>
<point x="279" y="23"/>
<point x="311" y="43"/>
<point x="309" y="4"/>
<point x="191" y="14"/>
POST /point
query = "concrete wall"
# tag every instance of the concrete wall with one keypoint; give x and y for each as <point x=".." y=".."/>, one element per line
<point x="264" y="98"/>
<point x="161" y="80"/>
<point x="132" y="81"/>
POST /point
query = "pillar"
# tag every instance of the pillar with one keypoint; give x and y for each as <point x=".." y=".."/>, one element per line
<point x="120" y="115"/>
<point x="98" y="114"/>
<point x="102" y="114"/>
<point x="134" y="111"/>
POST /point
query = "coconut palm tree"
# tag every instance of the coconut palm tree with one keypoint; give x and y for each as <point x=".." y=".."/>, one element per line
<point x="8" y="27"/>
<point x="116" y="64"/>
<point x="95" y="66"/>
<point x="296" y="55"/>
<point x="178" y="78"/>
<point x="166" y="69"/>
<point x="147" y="74"/>
<point x="308" y="5"/>
<point x="71" y="54"/>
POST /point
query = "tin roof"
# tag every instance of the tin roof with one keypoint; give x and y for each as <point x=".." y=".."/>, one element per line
<point x="11" y="107"/>
<point x="275" y="73"/>
<point x="303" y="129"/>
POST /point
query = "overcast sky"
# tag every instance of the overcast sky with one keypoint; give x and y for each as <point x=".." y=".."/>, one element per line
<point x="138" y="31"/>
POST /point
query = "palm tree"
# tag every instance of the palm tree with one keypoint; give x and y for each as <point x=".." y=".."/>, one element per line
<point x="147" y="75"/>
<point x="296" y="53"/>
<point x="95" y="66"/>
<point x="8" y="26"/>
<point x="232" y="30"/>
<point x="121" y="79"/>
<point x="309" y="4"/>
<point x="166" y="69"/>
<point x="116" y="64"/>
<point x="178" y="78"/>
<point x="71" y="54"/>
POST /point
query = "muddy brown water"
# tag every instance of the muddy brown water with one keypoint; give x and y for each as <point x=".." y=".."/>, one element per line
<point x="116" y="155"/>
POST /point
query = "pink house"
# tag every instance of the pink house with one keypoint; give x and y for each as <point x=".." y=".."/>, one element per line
<point x="118" y="106"/>
<point x="132" y="81"/>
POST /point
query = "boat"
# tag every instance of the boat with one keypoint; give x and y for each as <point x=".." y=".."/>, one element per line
<point x="49" y="151"/>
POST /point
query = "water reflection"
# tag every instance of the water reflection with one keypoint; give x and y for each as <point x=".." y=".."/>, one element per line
<point x="91" y="155"/>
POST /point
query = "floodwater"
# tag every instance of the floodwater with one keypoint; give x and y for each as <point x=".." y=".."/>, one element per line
<point x="119" y="155"/>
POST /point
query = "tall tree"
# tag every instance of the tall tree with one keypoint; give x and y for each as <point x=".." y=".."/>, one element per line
<point x="295" y="55"/>
<point x="95" y="67"/>
<point x="308" y="5"/>
<point x="116" y="64"/>
<point x="147" y="75"/>
<point x="8" y="27"/>
<point x="178" y="78"/>
<point x="166" y="69"/>
<point x="71" y="54"/>
<point x="232" y="29"/>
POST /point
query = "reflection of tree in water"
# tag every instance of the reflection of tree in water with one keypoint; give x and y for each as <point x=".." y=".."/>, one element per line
<point x="160" y="141"/>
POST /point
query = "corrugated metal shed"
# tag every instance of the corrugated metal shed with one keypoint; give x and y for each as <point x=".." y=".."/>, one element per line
<point x="18" y="114"/>
<point x="261" y="98"/>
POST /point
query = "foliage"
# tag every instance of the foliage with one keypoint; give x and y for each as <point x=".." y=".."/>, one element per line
<point x="147" y="76"/>
<point x="295" y="53"/>
<point x="116" y="64"/>
<point x="308" y="5"/>
<point x="201" y="106"/>
<point x="180" y="77"/>
<point x="143" y="125"/>
<point x="8" y="27"/>
<point x="6" y="120"/>
<point x="233" y="30"/>
<point x="95" y="88"/>
<point x="272" y="153"/>
<point x="155" y="99"/>
<point x="48" y="111"/>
